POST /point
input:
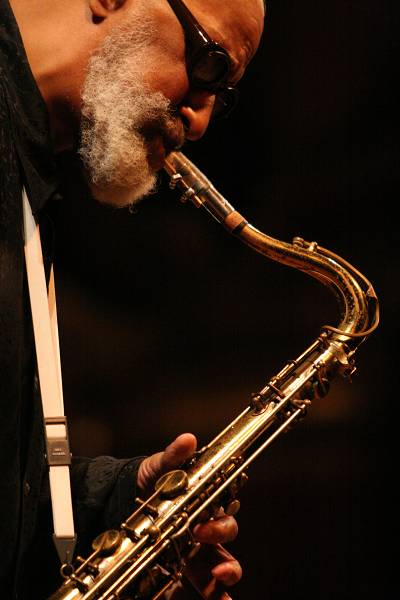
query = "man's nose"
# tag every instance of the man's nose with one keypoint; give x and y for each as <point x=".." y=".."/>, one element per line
<point x="195" y="111"/>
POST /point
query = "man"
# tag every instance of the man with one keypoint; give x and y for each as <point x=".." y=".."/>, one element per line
<point x="123" y="83"/>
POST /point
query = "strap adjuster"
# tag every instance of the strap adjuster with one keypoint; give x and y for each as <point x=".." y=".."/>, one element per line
<point x="57" y="441"/>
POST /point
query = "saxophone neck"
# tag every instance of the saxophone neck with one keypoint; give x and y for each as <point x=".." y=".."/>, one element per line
<point x="358" y="304"/>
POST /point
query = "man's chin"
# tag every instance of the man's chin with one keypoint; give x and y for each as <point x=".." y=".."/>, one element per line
<point x="120" y="196"/>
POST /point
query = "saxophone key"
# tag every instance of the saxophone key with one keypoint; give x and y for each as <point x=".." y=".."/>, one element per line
<point x="107" y="542"/>
<point x="172" y="484"/>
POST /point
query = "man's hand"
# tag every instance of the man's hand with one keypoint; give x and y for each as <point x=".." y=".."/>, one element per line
<point x="213" y="567"/>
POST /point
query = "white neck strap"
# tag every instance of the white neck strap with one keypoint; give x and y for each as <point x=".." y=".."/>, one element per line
<point x="44" y="317"/>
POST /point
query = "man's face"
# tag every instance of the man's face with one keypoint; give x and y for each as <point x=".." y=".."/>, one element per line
<point x="122" y="116"/>
<point x="137" y="103"/>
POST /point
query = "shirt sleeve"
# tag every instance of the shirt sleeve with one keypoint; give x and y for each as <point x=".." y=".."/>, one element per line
<point x="104" y="492"/>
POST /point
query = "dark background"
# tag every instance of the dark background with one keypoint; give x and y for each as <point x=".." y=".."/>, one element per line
<point x="167" y="323"/>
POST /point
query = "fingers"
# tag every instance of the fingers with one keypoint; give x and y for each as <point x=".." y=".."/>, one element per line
<point x="219" y="531"/>
<point x="212" y="570"/>
<point x="188" y="592"/>
<point x="182" y="448"/>
<point x="228" y="571"/>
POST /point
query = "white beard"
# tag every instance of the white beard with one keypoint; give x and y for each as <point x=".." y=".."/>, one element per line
<point x="120" y="115"/>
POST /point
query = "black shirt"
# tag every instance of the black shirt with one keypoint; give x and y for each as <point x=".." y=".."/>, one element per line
<point x="103" y="488"/>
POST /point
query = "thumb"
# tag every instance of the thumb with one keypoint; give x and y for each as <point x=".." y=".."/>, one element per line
<point x="156" y="465"/>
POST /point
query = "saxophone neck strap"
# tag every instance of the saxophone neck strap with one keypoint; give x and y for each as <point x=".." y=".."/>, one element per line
<point x="45" y="328"/>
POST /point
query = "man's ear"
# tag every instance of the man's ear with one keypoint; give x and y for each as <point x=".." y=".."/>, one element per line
<point x="100" y="9"/>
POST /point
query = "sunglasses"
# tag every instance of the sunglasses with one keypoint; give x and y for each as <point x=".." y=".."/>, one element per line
<point x="208" y="64"/>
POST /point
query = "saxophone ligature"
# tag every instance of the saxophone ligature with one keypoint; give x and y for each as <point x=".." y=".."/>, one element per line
<point x="148" y="553"/>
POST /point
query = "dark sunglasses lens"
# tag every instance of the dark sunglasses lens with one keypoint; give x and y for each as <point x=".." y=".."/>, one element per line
<point x="225" y="102"/>
<point x="210" y="69"/>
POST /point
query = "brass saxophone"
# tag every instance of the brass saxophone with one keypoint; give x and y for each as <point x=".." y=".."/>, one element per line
<point x="147" y="555"/>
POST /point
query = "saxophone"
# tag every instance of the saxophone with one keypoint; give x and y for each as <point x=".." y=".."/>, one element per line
<point x="148" y="553"/>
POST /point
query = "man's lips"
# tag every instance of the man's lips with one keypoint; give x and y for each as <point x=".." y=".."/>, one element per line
<point x="156" y="154"/>
<point x="173" y="135"/>
<point x="163" y="139"/>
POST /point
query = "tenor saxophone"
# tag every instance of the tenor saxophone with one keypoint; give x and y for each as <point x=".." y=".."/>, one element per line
<point x="148" y="553"/>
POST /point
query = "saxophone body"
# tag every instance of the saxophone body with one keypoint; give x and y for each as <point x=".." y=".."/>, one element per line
<point x="149" y="552"/>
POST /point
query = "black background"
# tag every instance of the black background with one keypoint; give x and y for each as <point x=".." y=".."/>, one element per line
<point x="167" y="324"/>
